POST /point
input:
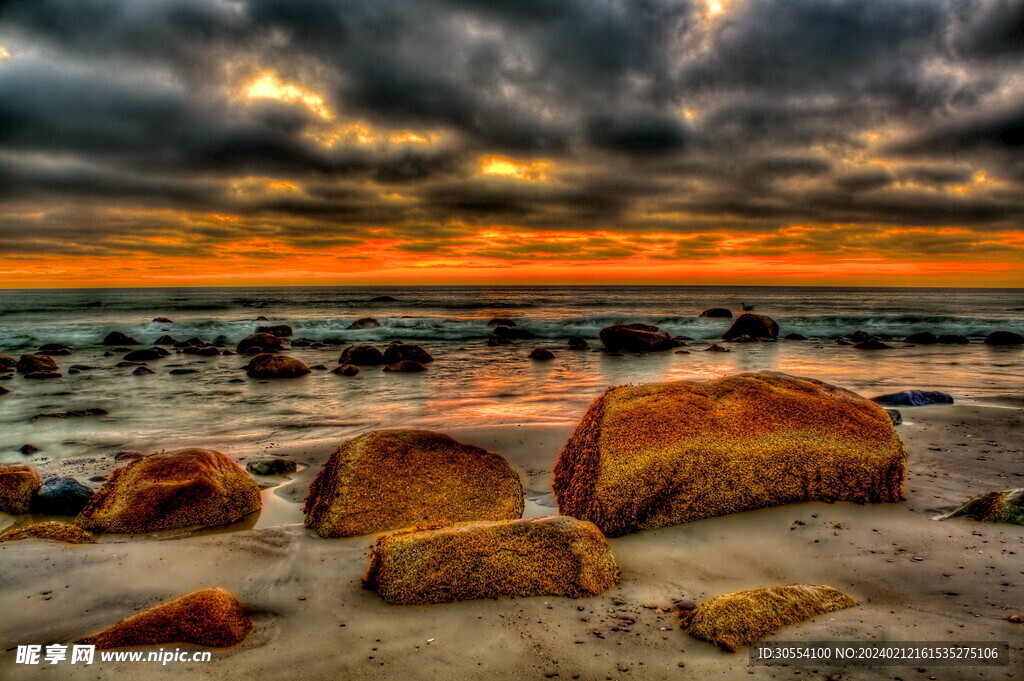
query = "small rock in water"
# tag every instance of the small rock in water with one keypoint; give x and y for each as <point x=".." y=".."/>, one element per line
<point x="913" y="398"/>
<point x="29" y="450"/>
<point x="715" y="347"/>
<point x="143" y="371"/>
<point x="274" y="466"/>
<point x="346" y="370"/>
<point x="542" y="354"/>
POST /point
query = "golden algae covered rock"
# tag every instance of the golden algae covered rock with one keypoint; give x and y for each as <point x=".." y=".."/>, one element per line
<point x="741" y="618"/>
<point x="390" y="479"/>
<point x="182" y="488"/>
<point x="18" y="484"/>
<point x="554" y="556"/>
<point x="209" y="617"/>
<point x="652" y="455"/>
<point x="52" y="531"/>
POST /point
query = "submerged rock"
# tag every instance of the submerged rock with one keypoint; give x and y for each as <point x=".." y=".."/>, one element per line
<point x="143" y="371"/>
<point x="55" y="349"/>
<point x="163" y="320"/>
<point x="272" y="466"/>
<point x="383" y="299"/>
<point x="795" y="337"/>
<point x="7" y="363"/>
<point x="578" y="343"/>
<point x="921" y="338"/>
<point x="279" y="330"/>
<point x="555" y="556"/>
<point x="50" y="530"/>
<point x="119" y="338"/>
<point x="165" y="340"/>
<point x="1004" y="338"/>
<point x="757" y="326"/>
<point x="397" y="352"/>
<point x="1005" y="506"/>
<point x="635" y="338"/>
<point x="18" y="484"/>
<point x="652" y="455"/>
<point x="32" y="364"/>
<point x="168" y="490"/>
<point x="406" y="366"/>
<point x="61" y="495"/>
<point x="276" y="366"/>
<point x="346" y="370"/>
<point x="390" y="479"/>
<point x="913" y="398"/>
<point x="873" y="344"/>
<point x="144" y="355"/>
<point x="953" y="339"/>
<point x="260" y="342"/>
<point x="75" y="413"/>
<point x="209" y="617"/>
<point x="364" y="323"/>
<point x="361" y="355"/>
<point x="201" y="350"/>
<point x="502" y="321"/>
<point x="542" y="354"/>
<point x="715" y="347"/>
<point x="717" y="312"/>
<point x="745" y="617"/>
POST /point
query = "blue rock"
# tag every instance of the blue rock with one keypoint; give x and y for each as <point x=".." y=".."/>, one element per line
<point x="913" y="398"/>
<point x="61" y="495"/>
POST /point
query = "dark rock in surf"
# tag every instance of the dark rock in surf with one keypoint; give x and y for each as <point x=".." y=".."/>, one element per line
<point x="201" y="350"/>
<point x="346" y="370"/>
<point x="276" y="366"/>
<point x="861" y="337"/>
<point x="260" y="343"/>
<point x="279" y="330"/>
<point x="143" y="371"/>
<point x="717" y="312"/>
<point x="913" y="398"/>
<point x="1004" y="338"/>
<point x="635" y="338"/>
<point x="921" y="338"/>
<point x="577" y="343"/>
<point x="796" y="337"/>
<point x="501" y="321"/>
<point x="873" y="344"/>
<point x="405" y="367"/>
<point x="165" y="339"/>
<point x="31" y="364"/>
<point x="364" y="323"/>
<point x="54" y="349"/>
<point x="163" y="320"/>
<point x="144" y="355"/>
<point x="759" y="327"/>
<point x="118" y="338"/>
<point x="383" y="299"/>
<point x="715" y="347"/>
<point x="361" y="355"/>
<point x="397" y="352"/>
<point x="542" y="354"/>
<point x="61" y="495"/>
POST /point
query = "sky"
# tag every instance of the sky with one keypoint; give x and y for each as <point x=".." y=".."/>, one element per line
<point x="276" y="142"/>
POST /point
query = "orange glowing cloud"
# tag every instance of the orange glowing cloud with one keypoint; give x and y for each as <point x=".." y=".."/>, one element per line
<point x="267" y="85"/>
<point x="533" y="171"/>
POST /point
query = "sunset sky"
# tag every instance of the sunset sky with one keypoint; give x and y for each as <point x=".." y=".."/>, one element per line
<point x="249" y="142"/>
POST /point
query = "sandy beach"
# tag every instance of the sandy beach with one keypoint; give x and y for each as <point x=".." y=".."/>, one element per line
<point x="914" y="577"/>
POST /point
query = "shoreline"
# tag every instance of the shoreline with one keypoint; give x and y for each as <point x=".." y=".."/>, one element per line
<point x="311" y="613"/>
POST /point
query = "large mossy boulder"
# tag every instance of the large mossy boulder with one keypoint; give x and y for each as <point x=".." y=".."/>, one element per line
<point x="49" y="531"/>
<point x="555" y="556"/>
<point x="18" y="485"/>
<point x="258" y="343"/>
<point x="275" y="366"/>
<point x="744" y="617"/>
<point x="1006" y="506"/>
<point x="209" y="617"/>
<point x="390" y="479"/>
<point x="635" y="338"/>
<point x="646" y="456"/>
<point x="756" y="327"/>
<point x="169" y="490"/>
<point x="34" y="364"/>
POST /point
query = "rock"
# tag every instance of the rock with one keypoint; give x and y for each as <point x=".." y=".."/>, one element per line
<point x="128" y="455"/>
<point x="165" y="340"/>
<point x="1006" y="506"/>
<point x="390" y="479"/>
<point x="51" y="531"/>
<point x="276" y="366"/>
<point x="361" y="355"/>
<point x="163" y="320"/>
<point x="577" y="343"/>
<point x="209" y="617"/>
<point x="75" y="413"/>
<point x="921" y="338"/>
<point x="953" y="339"/>
<point x="364" y="323"/>
<point x="54" y="349"/>
<point x="873" y="344"/>
<point x="717" y="312"/>
<point x="319" y="367"/>
<point x="192" y="342"/>
<point x="635" y="338"/>
<point x="18" y="484"/>
<point x="383" y="299"/>
<point x="652" y="455"/>
<point x="4" y="391"/>
<point x="118" y="338"/>
<point x="31" y="364"/>
<point x="796" y="336"/>
<point x="494" y="341"/>
<point x="502" y="321"/>
<point x="261" y="318"/>
<point x="77" y="368"/>
<point x="260" y="342"/>
<point x="1004" y="338"/>
<point x="42" y="375"/>
<point x="541" y="354"/>
<point x="913" y="398"/>
<point x="895" y="415"/>
<point x="757" y="326"/>
<point x="168" y="490"/>
<point x="334" y="340"/>
<point x="397" y="352"/>
<point x="346" y="370"/>
<point x="840" y="341"/>
<point x="201" y="350"/>
<point x="1015" y="619"/>
<point x="861" y="337"/>
<point x="144" y="355"/>
<point x="744" y="617"/>
<point x="554" y="556"/>
<point x="7" y="363"/>
<point x="29" y="450"/>
<point x="279" y="330"/>
<point x="182" y="372"/>
<point x="220" y="341"/>
<point x="273" y="466"/>
<point x="61" y="495"/>
<point x="405" y="367"/>
<point x="715" y="347"/>
<point x="95" y="303"/>
<point x="301" y="343"/>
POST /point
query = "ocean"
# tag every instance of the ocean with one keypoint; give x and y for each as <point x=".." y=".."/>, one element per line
<point x="469" y="383"/>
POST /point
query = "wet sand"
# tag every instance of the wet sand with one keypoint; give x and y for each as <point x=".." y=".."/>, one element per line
<point x="916" y="579"/>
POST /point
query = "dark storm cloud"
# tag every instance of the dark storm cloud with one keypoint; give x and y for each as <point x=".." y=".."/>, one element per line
<point x="652" y="116"/>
